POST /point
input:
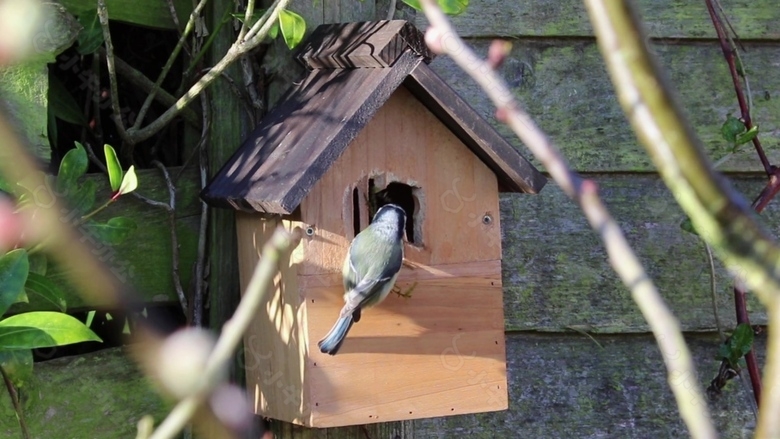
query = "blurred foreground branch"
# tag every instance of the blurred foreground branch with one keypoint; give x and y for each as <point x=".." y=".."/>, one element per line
<point x="232" y="333"/>
<point x="719" y="214"/>
<point x="441" y="38"/>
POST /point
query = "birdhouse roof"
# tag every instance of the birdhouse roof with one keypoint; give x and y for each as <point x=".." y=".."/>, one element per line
<point x="353" y="70"/>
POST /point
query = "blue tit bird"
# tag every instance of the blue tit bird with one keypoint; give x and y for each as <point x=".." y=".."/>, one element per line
<point x="370" y="270"/>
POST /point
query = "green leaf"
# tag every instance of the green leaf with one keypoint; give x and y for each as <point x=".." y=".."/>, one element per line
<point x="731" y="128"/>
<point x="39" y="263"/>
<point x="293" y="26"/>
<point x="72" y="167"/>
<point x="747" y="136"/>
<point x="84" y="198"/>
<point x="47" y="290"/>
<point x="90" y="318"/>
<point x="449" y="7"/>
<point x="273" y="32"/>
<point x="18" y="365"/>
<point x="91" y="36"/>
<point x="6" y="186"/>
<point x="453" y="7"/>
<point x="742" y="339"/>
<point x="62" y="104"/>
<point x="687" y="225"/>
<point x="737" y="346"/>
<point x="115" y="231"/>
<point x="129" y="182"/>
<point x="14" y="268"/>
<point x="42" y="329"/>
<point x="113" y="166"/>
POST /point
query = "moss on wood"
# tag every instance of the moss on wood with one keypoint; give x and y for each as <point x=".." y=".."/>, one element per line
<point x="98" y="395"/>
<point x="670" y="19"/>
<point x="564" y="86"/>
<point x="556" y="272"/>
<point x="568" y="386"/>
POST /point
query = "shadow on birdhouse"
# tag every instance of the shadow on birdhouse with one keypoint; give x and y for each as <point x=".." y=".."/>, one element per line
<point x="372" y="124"/>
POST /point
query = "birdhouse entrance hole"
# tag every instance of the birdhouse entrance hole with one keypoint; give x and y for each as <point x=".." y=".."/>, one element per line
<point x="404" y="195"/>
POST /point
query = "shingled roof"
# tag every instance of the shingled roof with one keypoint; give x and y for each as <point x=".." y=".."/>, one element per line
<point x="354" y="68"/>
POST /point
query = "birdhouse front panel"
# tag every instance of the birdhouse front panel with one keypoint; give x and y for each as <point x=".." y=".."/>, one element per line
<point x="439" y="351"/>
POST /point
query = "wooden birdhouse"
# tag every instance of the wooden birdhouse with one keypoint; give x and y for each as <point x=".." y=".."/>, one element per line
<point x="371" y="123"/>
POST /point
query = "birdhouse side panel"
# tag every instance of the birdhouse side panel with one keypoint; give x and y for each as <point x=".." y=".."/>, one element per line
<point x="406" y="152"/>
<point x="275" y="346"/>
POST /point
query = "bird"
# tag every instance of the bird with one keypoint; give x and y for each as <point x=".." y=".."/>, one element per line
<point x="370" y="270"/>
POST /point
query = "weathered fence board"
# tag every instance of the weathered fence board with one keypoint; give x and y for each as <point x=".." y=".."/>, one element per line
<point x="99" y="395"/>
<point x="568" y="386"/>
<point x="556" y="272"/>
<point x="564" y="86"/>
<point x="663" y="19"/>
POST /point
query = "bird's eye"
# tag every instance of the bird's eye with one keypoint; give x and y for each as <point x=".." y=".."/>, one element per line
<point x="310" y="231"/>
<point x="487" y="220"/>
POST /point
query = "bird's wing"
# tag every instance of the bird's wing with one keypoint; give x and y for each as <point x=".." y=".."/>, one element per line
<point x="365" y="284"/>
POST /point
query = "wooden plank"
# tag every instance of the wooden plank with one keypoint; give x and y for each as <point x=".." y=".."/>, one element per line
<point x="568" y="386"/>
<point x="374" y="44"/>
<point x="564" y="86"/>
<point x="448" y="335"/>
<point x="144" y="260"/>
<point x="671" y="19"/>
<point x="228" y="128"/>
<point x="102" y="394"/>
<point x="556" y="274"/>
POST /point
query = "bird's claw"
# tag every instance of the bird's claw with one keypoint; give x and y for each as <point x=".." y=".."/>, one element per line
<point x="405" y="294"/>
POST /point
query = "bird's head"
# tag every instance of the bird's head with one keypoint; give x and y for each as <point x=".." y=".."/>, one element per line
<point x="389" y="222"/>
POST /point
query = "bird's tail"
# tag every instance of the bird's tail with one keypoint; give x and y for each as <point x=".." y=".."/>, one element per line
<point x="331" y="343"/>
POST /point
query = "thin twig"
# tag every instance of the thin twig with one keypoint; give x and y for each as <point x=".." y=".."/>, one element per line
<point x="200" y="263"/>
<point x="171" y="208"/>
<point x="117" y="114"/>
<point x="714" y="292"/>
<point x="175" y="18"/>
<point x="254" y="37"/>
<point x="728" y="53"/>
<point x="681" y="371"/>
<point x="232" y="331"/>
<point x="94" y="158"/>
<point x="145" y="84"/>
<point x="194" y="16"/>
<point x="248" y="13"/>
<point x="14" y="395"/>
